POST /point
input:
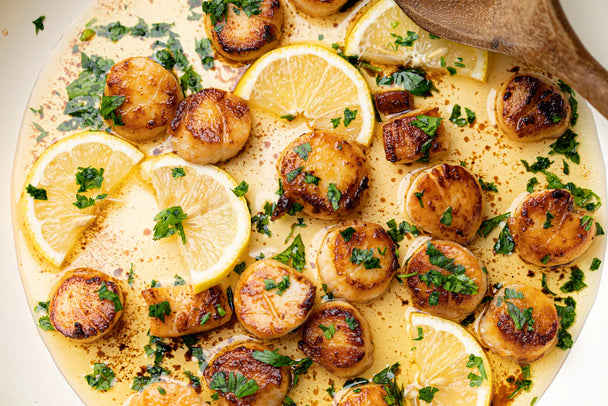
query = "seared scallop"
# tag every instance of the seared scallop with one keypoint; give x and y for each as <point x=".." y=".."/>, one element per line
<point x="319" y="8"/>
<point x="176" y="311"/>
<point x="548" y="230"/>
<point x="520" y="324"/>
<point x="337" y="337"/>
<point x="85" y="304"/>
<point x="393" y="102"/>
<point x="271" y="299"/>
<point x="166" y="394"/>
<point x="245" y="36"/>
<point x="273" y="383"/>
<point x="357" y="261"/>
<point x="530" y="107"/>
<point x="446" y="201"/>
<point x="324" y="173"/>
<point x="370" y="394"/>
<point x="151" y="92"/>
<point x="210" y="126"/>
<point x="406" y="143"/>
<point x="445" y="279"/>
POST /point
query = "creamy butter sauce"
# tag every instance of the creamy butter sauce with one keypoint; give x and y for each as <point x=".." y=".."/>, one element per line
<point x="122" y="234"/>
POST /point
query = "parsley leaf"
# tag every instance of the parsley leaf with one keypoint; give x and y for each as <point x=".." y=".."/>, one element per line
<point x="169" y="222"/>
<point x="488" y="186"/>
<point x="349" y="116"/>
<point x="347" y="233"/>
<point x="334" y="195"/>
<point x="281" y="287"/>
<point x="105" y="293"/>
<point x="413" y="80"/>
<point x="233" y="382"/>
<point x="142" y="380"/>
<point x="303" y="150"/>
<point x="107" y="107"/>
<point x="595" y="264"/>
<point x="43" y="132"/>
<point x="294" y="254"/>
<point x="531" y="183"/>
<point x="160" y="310"/>
<point x="505" y="244"/>
<point x="241" y="189"/>
<point x="584" y="198"/>
<point x="575" y="282"/>
<point x="397" y="232"/>
<point x="573" y="102"/>
<point x="351" y="322"/>
<point x="204" y="50"/>
<point x="476" y="362"/>
<point x="487" y="226"/>
<point x="456" y="118"/>
<point x="567" y="145"/>
<point x="177" y="172"/>
<point x="36" y="193"/>
<point x="420" y="334"/>
<point x="89" y="178"/>
<point x="273" y="358"/>
<point x="365" y="257"/>
<point x="427" y="393"/>
<point x="262" y="219"/>
<point x="446" y="217"/>
<point x="39" y="24"/>
<point x="548" y="218"/>
<point x="428" y="124"/>
<point x="408" y="41"/>
<point x="540" y="165"/>
<point x="328" y="331"/>
<point x="102" y="377"/>
<point x="521" y="318"/>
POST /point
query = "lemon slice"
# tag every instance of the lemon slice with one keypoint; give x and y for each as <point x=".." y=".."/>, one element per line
<point x="55" y="224"/>
<point x="442" y="354"/>
<point x="314" y="83"/>
<point x="370" y="38"/>
<point x="218" y="225"/>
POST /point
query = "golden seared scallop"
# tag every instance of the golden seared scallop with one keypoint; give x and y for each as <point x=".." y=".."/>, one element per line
<point x="520" y="324"/>
<point x="406" y="143"/>
<point x="151" y="92"/>
<point x="337" y="337"/>
<point x="445" y="279"/>
<point x="176" y="311"/>
<point x="245" y="36"/>
<point x="271" y="299"/>
<point x="272" y="383"/>
<point x="548" y="230"/>
<point x="370" y="394"/>
<point x="446" y="201"/>
<point x="357" y="261"/>
<point x="210" y="126"/>
<point x="324" y="173"/>
<point x="319" y="8"/>
<point x="166" y="394"/>
<point x="85" y="304"/>
<point x="530" y="107"/>
<point x="393" y="102"/>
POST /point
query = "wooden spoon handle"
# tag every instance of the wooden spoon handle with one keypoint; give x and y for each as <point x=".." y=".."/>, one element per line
<point x="566" y="57"/>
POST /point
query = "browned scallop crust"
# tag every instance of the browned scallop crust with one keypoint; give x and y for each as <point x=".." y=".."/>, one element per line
<point x="210" y="126"/>
<point x="350" y="281"/>
<point x="319" y="8"/>
<point x="152" y="95"/>
<point x="406" y="143"/>
<point x="266" y="313"/>
<point x="529" y="107"/>
<point x="243" y="38"/>
<point x="332" y="159"/>
<point x="166" y="394"/>
<point x="393" y="102"/>
<point x="75" y="309"/>
<point x="454" y="306"/>
<point x="498" y="331"/>
<point x="188" y="310"/>
<point x="565" y="238"/>
<point x="443" y="187"/>
<point x="348" y="352"/>
<point x="370" y="394"/>
<point x="273" y="382"/>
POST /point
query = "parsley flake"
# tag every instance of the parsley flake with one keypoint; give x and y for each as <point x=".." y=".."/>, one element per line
<point x="102" y="377"/>
<point x="160" y="310"/>
<point x="36" y="193"/>
<point x="328" y="331"/>
<point x="106" y="294"/>
<point x="169" y="222"/>
<point x="177" y="172"/>
<point x="446" y="217"/>
<point x="234" y="383"/>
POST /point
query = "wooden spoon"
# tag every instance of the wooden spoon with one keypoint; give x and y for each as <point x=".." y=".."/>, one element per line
<point x="535" y="31"/>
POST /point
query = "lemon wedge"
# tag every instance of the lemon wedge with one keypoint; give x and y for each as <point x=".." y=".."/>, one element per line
<point x="377" y="37"/>
<point x="314" y="83"/>
<point x="452" y="364"/>
<point x="217" y="227"/>
<point x="55" y="223"/>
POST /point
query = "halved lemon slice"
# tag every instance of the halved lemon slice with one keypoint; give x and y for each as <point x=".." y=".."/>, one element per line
<point x="217" y="226"/>
<point x="54" y="224"/>
<point x="314" y="83"/>
<point x="376" y="36"/>
<point x="454" y="369"/>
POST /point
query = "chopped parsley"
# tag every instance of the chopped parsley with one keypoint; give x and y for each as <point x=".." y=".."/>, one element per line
<point x="106" y="294"/>
<point x="476" y="362"/>
<point x="419" y="197"/>
<point x="241" y="189"/>
<point x="420" y="334"/>
<point x="36" y="193"/>
<point x="89" y="178"/>
<point x="428" y="392"/>
<point x="311" y="179"/>
<point x="160" y="310"/>
<point x="107" y="107"/>
<point x="567" y="316"/>
<point x="334" y="195"/>
<point x="544" y="285"/>
<point x="218" y="9"/>
<point x="349" y="116"/>
<point x="204" y="50"/>
<point x="177" y="172"/>
<point x="521" y="318"/>
<point x="44" y="322"/>
<point x="274" y="359"/>
<point x="169" y="222"/>
<point x="234" y="383"/>
<point x="365" y="257"/>
<point x="488" y="186"/>
<point x="525" y="383"/>
<point x="328" y="331"/>
<point x="153" y="375"/>
<point x="586" y="222"/>
<point x="220" y="310"/>
<point x="295" y="254"/>
<point x="413" y="80"/>
<point x="456" y="118"/>
<point x="293" y="174"/>
<point x="575" y="282"/>
<point x="595" y="264"/>
<point x="428" y="124"/>
<point x="347" y="233"/>
<point x="408" y="41"/>
<point x="540" y="165"/>
<point x="584" y="198"/>
<point x="530" y="185"/>
<point x="487" y="226"/>
<point x="288" y="117"/>
<point x="102" y="377"/>
<point x="178" y="280"/>
<point x="548" y="218"/>
<point x="351" y="322"/>
<point x="505" y="244"/>
<point x="262" y="219"/>
<point x="157" y="348"/>
<point x="397" y="232"/>
<point x="571" y="99"/>
<point x="131" y="276"/>
<point x="303" y="150"/>
<point x="567" y="146"/>
<point x="42" y="132"/>
<point x="281" y="287"/>
<point x="205" y="319"/>
<point x="446" y="217"/>
<point x="39" y="24"/>
<point x="82" y="201"/>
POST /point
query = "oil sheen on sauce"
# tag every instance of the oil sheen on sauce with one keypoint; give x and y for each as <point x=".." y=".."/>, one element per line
<point x="122" y="234"/>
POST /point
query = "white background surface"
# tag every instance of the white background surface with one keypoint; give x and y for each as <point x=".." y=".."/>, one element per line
<point x="28" y="375"/>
